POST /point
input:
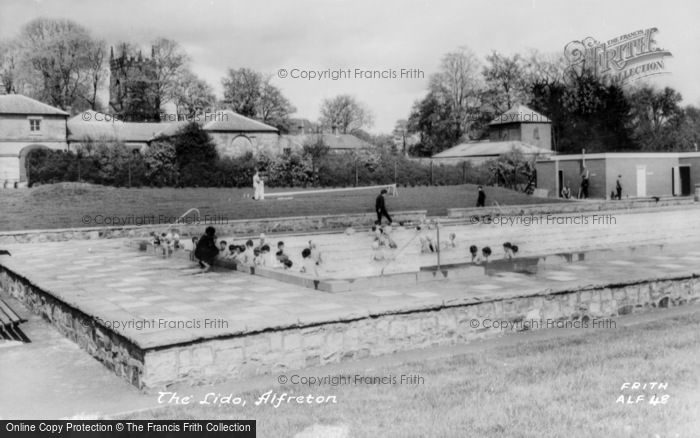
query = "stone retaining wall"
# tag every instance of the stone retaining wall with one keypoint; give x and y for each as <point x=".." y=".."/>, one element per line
<point x="117" y="353"/>
<point x="233" y="227"/>
<point x="568" y="207"/>
<point x="297" y="347"/>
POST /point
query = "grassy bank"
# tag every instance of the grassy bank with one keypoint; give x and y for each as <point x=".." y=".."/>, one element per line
<point x="564" y="387"/>
<point x="65" y="205"/>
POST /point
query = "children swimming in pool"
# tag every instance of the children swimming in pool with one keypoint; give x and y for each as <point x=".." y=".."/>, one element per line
<point x="308" y="265"/>
<point x="509" y="250"/>
<point x="474" y="252"/>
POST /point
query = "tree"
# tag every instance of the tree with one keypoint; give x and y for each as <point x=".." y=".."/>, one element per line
<point x="458" y="87"/>
<point x="161" y="164"/>
<point x="316" y="149"/>
<point x="400" y="134"/>
<point x="58" y="57"/>
<point x="169" y="64"/>
<point x="192" y="95"/>
<point x="344" y="114"/>
<point x="9" y="67"/>
<point x="242" y="90"/>
<point x="272" y="107"/>
<point x="451" y="111"/>
<point x="195" y="155"/>
<point x="96" y="72"/>
<point x="514" y="171"/>
<point x="252" y="94"/>
<point x="505" y="81"/>
<point x="656" y="118"/>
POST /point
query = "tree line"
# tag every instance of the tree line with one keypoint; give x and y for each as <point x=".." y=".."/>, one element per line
<point x="60" y="62"/>
<point x="587" y="111"/>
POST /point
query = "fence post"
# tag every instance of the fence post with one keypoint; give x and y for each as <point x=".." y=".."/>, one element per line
<point x="437" y="226"/>
<point x="357" y="177"/>
<point x="431" y="172"/>
<point x="464" y="172"/>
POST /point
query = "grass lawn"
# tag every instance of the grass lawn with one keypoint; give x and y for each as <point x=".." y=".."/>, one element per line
<point x="64" y="205"/>
<point x="561" y="387"/>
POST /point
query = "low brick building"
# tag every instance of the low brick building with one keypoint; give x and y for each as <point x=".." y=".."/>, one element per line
<point x="641" y="174"/>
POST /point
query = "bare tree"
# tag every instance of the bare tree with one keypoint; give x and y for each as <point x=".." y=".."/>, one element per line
<point x="169" y="64"/>
<point x="345" y="114"/>
<point x="56" y="55"/>
<point x="458" y="86"/>
<point x="193" y="95"/>
<point x="505" y="81"/>
<point x="9" y="67"/>
<point x="242" y="90"/>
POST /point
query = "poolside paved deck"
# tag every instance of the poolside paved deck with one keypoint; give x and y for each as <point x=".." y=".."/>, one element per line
<point x="112" y="281"/>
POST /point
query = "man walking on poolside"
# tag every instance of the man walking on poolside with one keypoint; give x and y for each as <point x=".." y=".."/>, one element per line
<point x="618" y="188"/>
<point x="380" y="207"/>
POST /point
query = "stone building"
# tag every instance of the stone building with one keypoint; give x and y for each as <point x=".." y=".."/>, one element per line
<point x="25" y="125"/>
<point x="520" y="128"/>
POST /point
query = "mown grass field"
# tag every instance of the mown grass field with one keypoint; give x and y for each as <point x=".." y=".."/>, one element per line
<point x="552" y="387"/>
<point x="65" y="205"/>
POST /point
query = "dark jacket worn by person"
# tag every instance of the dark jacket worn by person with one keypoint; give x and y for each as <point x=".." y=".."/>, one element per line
<point x="206" y="249"/>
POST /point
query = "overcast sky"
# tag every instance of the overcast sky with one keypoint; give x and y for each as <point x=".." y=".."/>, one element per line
<point x="375" y="34"/>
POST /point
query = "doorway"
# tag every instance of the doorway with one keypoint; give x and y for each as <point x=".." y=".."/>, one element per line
<point x="641" y="181"/>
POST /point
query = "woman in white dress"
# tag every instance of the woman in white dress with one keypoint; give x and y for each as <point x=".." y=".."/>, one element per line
<point x="258" y="186"/>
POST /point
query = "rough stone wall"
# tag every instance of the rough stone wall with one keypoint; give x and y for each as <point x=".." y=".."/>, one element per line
<point x="296" y="348"/>
<point x="228" y="227"/>
<point x="115" y="352"/>
<point x="293" y="348"/>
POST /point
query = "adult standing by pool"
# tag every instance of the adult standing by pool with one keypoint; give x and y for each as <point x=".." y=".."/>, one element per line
<point x="380" y="207"/>
<point x="258" y="186"/>
<point x="481" y="198"/>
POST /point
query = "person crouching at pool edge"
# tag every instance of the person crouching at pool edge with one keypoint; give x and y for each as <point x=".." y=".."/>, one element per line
<point x="474" y="251"/>
<point x="206" y="250"/>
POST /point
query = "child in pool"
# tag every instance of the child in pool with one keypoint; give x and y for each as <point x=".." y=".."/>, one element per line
<point x="309" y="266"/>
<point x="474" y="251"/>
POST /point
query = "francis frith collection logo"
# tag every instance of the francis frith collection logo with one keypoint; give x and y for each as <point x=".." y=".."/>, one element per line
<point x="626" y="58"/>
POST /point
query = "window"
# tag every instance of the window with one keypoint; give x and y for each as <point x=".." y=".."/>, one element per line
<point x="34" y="125"/>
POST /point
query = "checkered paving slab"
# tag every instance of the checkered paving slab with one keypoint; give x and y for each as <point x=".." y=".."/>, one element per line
<point x="114" y="282"/>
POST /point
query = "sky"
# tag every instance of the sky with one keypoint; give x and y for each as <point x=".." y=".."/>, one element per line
<point x="386" y="36"/>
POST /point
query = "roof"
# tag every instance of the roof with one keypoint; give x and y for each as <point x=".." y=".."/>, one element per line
<point x="488" y="148"/>
<point x="19" y="104"/>
<point x="333" y="141"/>
<point x="622" y="155"/>
<point x="91" y="124"/>
<point x="520" y="114"/>
<point x="233" y="122"/>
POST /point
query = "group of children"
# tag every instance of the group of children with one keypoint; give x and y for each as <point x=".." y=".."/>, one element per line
<point x="382" y="241"/>
<point x="166" y="243"/>
<point x="250" y="254"/>
<point x="509" y="251"/>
